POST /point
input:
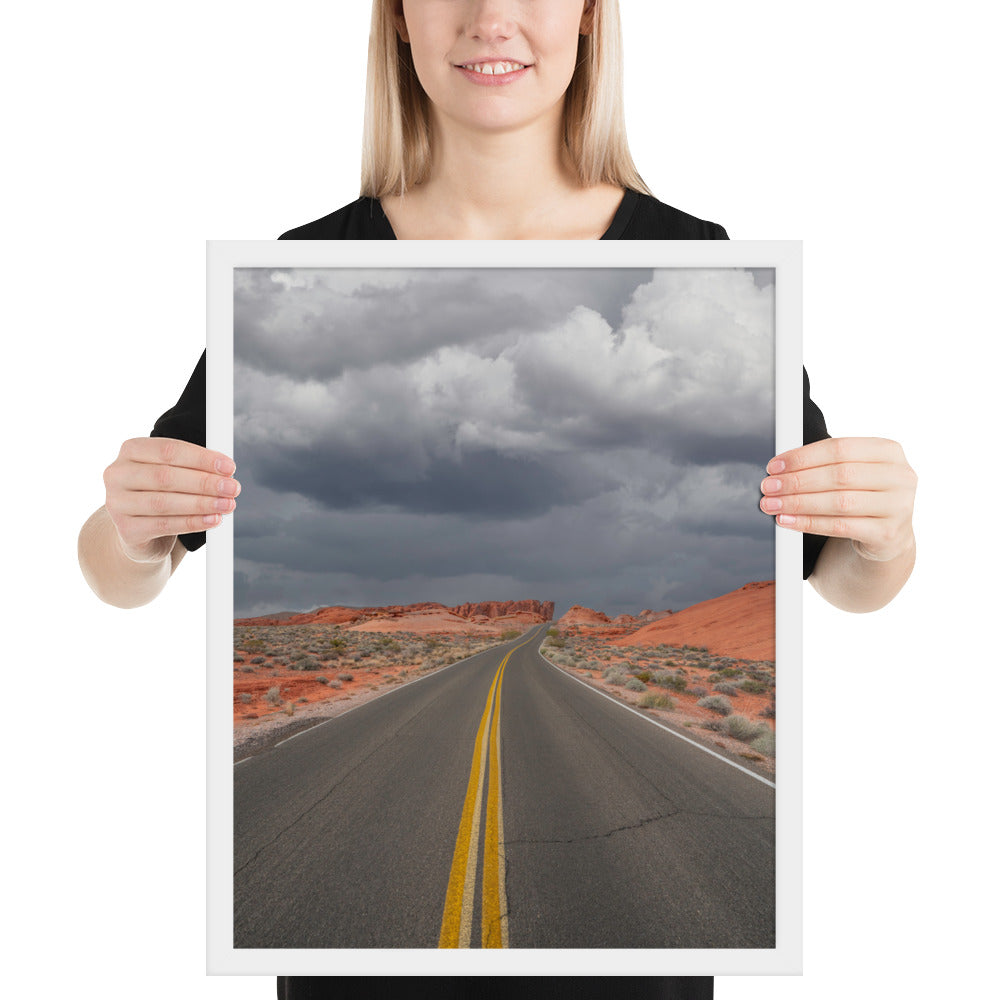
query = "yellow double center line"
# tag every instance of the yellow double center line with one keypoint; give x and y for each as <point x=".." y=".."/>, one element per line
<point x="456" y="925"/>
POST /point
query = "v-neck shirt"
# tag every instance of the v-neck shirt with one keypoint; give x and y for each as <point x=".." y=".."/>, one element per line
<point x="638" y="217"/>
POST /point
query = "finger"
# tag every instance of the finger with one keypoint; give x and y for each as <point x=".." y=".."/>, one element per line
<point x="876" y="538"/>
<point x="843" y="503"/>
<point x="836" y="451"/>
<point x="867" y="476"/>
<point x="173" y="452"/>
<point x="142" y="477"/>
<point x="161" y="504"/>
<point x="138" y="531"/>
<point x="865" y="530"/>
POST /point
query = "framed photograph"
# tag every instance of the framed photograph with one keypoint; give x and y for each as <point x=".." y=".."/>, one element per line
<point x="498" y="633"/>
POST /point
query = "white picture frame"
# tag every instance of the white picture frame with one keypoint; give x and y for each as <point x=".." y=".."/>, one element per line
<point x="224" y="259"/>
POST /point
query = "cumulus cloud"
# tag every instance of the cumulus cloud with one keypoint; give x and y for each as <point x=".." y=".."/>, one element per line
<point x="394" y="429"/>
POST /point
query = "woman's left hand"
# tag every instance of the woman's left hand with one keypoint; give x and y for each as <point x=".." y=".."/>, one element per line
<point x="856" y="488"/>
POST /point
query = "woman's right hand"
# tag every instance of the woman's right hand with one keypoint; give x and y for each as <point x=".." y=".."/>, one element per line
<point x="159" y="488"/>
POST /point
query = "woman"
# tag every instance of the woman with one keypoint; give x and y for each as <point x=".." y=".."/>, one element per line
<point x="502" y="119"/>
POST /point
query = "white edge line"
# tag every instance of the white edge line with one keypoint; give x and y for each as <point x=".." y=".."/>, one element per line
<point x="635" y="711"/>
<point x="392" y="690"/>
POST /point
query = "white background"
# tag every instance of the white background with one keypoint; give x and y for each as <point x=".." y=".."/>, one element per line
<point x="135" y="132"/>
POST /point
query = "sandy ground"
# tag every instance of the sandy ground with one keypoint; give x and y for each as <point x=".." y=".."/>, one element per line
<point x="303" y="697"/>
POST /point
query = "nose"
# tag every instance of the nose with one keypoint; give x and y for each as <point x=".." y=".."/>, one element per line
<point x="490" y="20"/>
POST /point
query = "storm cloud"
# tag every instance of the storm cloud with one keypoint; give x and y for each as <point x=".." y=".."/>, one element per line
<point x="580" y="435"/>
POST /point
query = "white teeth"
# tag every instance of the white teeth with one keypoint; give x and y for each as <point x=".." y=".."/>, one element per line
<point x="495" y="69"/>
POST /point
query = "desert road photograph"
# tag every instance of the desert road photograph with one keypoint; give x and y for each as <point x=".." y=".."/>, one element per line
<point x="503" y="640"/>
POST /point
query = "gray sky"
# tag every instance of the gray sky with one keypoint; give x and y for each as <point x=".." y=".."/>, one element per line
<point x="585" y="436"/>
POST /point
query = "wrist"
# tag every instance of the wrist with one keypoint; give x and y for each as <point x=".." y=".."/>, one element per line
<point x="152" y="554"/>
<point x="901" y="549"/>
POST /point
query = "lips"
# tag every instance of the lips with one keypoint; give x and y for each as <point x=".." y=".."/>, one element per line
<point x="493" y="72"/>
<point x="493" y="67"/>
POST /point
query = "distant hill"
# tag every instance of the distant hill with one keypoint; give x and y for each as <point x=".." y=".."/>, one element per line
<point x="738" y="624"/>
<point x="426" y="616"/>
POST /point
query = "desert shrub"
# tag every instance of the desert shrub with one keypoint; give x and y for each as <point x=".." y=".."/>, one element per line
<point x="698" y="691"/>
<point x="509" y="633"/>
<point x="716" y="703"/>
<point x="239" y="659"/>
<point x="321" y="679"/>
<point x="310" y="663"/>
<point x="257" y="659"/>
<point x="712" y="725"/>
<point x="246" y="697"/>
<point x="744" y="729"/>
<point x="345" y="677"/>
<point x="273" y="696"/>
<point x="765" y="744"/>
<point x="634" y="684"/>
<point x="614" y="676"/>
<point x="753" y="687"/>
<point x="767" y="712"/>
<point x="675" y="682"/>
<point x="724" y="687"/>
<point x="299" y="654"/>
<point x="252" y="645"/>
<point x="335" y="683"/>
<point x="645" y="676"/>
<point x="247" y="669"/>
<point x="655" y="701"/>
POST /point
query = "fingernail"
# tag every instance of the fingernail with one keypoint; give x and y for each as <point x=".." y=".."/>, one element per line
<point x="786" y="519"/>
<point x="771" y="485"/>
<point x="771" y="504"/>
<point x="210" y="520"/>
<point x="225" y="466"/>
<point x="775" y="466"/>
<point x="228" y="487"/>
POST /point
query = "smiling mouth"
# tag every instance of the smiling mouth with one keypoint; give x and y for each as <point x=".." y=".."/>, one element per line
<point x="493" y="68"/>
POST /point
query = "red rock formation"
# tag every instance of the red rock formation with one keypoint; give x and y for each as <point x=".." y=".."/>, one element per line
<point x="498" y="609"/>
<point x="579" y="615"/>
<point x="624" y="619"/>
<point x="526" y="612"/>
<point x="739" y="624"/>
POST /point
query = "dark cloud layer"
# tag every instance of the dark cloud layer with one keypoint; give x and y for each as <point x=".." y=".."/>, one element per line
<point x="586" y="436"/>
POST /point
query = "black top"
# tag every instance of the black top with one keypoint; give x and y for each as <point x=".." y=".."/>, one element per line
<point x="499" y="988"/>
<point x="639" y="217"/>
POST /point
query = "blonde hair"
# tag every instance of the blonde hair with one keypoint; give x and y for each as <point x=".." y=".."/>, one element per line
<point x="396" y="145"/>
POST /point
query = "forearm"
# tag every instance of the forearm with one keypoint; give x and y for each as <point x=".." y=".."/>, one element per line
<point x="114" y="577"/>
<point x="852" y="583"/>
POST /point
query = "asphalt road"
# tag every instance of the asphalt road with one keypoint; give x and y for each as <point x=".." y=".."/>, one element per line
<point x="499" y="803"/>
